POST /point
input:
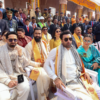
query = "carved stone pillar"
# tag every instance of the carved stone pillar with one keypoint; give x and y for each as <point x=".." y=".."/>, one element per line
<point x="63" y="6"/>
<point x="97" y="15"/>
<point x="79" y="11"/>
<point x="90" y="13"/>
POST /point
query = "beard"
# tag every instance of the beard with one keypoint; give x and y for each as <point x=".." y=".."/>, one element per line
<point x="12" y="45"/>
<point x="37" y="39"/>
<point x="67" y="45"/>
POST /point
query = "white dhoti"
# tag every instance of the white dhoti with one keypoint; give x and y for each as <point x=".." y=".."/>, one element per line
<point x="43" y="84"/>
<point x="22" y="91"/>
<point x="81" y="92"/>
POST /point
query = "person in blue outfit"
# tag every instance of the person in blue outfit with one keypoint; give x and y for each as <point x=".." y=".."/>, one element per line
<point x="90" y="55"/>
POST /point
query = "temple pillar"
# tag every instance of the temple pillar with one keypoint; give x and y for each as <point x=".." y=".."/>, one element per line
<point x="62" y="6"/>
<point x="79" y="11"/>
<point x="90" y="14"/>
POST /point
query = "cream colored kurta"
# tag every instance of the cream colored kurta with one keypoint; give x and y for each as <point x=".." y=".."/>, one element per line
<point x="22" y="90"/>
<point x="43" y="80"/>
<point x="69" y="71"/>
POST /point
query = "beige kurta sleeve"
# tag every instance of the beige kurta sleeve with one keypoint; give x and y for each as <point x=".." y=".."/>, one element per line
<point x="29" y="55"/>
<point x="4" y="78"/>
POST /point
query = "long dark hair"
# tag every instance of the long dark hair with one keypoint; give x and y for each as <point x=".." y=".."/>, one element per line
<point x="53" y="35"/>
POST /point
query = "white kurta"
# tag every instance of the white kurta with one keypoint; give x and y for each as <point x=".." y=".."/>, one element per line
<point x="70" y="66"/>
<point x="70" y="73"/>
<point x="43" y="80"/>
<point x="22" y="90"/>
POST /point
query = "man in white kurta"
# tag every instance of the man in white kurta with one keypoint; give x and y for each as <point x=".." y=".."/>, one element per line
<point x="70" y="69"/>
<point x="11" y="61"/>
<point x="46" y="37"/>
<point x="43" y="81"/>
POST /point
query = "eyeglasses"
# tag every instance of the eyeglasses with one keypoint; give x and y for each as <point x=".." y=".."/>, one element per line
<point x="66" y="39"/>
<point x="44" y="29"/>
<point x="11" y="40"/>
<point x="58" y="31"/>
<point x="87" y="41"/>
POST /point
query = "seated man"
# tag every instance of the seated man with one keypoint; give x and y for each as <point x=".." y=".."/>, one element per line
<point x="23" y="40"/>
<point x="11" y="61"/>
<point x="36" y="51"/>
<point x="69" y="69"/>
<point x="46" y="36"/>
<point x="77" y="36"/>
<point x="90" y="55"/>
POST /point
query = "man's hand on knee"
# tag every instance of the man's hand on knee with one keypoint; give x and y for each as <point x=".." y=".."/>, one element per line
<point x="59" y="83"/>
<point x="12" y="84"/>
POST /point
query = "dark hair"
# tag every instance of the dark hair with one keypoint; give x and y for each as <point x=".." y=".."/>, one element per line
<point x="88" y="35"/>
<point x="4" y="32"/>
<point x="27" y="20"/>
<point x="21" y="29"/>
<point x="64" y="33"/>
<point x="89" y="27"/>
<point x="44" y="27"/>
<point x="33" y="18"/>
<point x="77" y="27"/>
<point x="37" y="28"/>
<point x="9" y="33"/>
<point x="53" y="35"/>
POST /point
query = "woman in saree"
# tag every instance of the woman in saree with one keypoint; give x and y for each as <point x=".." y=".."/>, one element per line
<point x="90" y="55"/>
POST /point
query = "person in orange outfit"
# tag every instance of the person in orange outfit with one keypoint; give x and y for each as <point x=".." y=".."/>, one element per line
<point x="73" y="20"/>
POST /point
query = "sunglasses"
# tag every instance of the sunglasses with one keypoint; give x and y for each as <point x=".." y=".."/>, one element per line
<point x="87" y="41"/>
<point x="58" y="31"/>
<point x="11" y="40"/>
<point x="66" y="39"/>
<point x="44" y="29"/>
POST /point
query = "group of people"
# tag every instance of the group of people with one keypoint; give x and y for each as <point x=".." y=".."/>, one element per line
<point x="29" y="40"/>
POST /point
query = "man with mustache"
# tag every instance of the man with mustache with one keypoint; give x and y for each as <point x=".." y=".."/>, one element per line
<point x="36" y="52"/>
<point x="77" y="36"/>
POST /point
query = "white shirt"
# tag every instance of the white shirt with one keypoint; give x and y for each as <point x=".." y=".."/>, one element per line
<point x="70" y="65"/>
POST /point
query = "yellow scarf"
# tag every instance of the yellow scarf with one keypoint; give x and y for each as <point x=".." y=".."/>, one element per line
<point x="89" y="87"/>
<point x="38" y="56"/>
<point x="79" y="42"/>
<point x="44" y="38"/>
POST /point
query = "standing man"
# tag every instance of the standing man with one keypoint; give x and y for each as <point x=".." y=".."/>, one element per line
<point x="23" y="40"/>
<point x="61" y="17"/>
<point x="50" y="14"/>
<point x="69" y="70"/>
<point x="18" y="18"/>
<point x="33" y="23"/>
<point x="77" y="36"/>
<point x="36" y="51"/>
<point x="28" y="29"/>
<point x="1" y="9"/>
<point x="67" y="26"/>
<point x="48" y="23"/>
<point x="29" y="12"/>
<point x="73" y="20"/>
<point x="11" y="65"/>
<point x="53" y="26"/>
<point x="78" y="24"/>
<point x="3" y="25"/>
<point x="85" y="25"/>
<point x="56" y="16"/>
<point x="41" y="23"/>
<point x="97" y="32"/>
<point x="12" y="24"/>
<point x="45" y="14"/>
<point x="38" y="14"/>
<point x="23" y="16"/>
